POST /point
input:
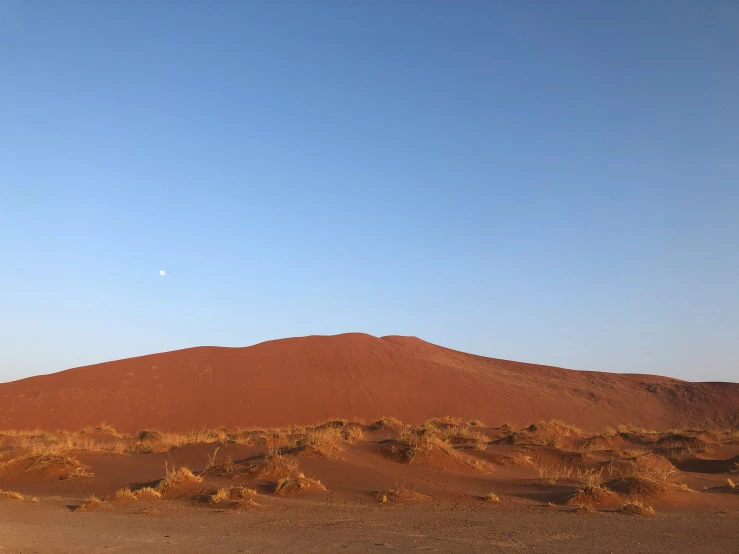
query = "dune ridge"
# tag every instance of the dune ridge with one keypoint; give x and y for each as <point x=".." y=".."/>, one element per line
<point x="354" y="376"/>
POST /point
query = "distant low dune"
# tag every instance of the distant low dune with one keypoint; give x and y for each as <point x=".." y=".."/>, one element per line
<point x="353" y="376"/>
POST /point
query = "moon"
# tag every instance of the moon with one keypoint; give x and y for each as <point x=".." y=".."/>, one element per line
<point x="162" y="273"/>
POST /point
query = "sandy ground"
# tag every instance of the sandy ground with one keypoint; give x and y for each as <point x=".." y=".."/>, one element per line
<point x="307" y="526"/>
<point x="367" y="490"/>
<point x="299" y="381"/>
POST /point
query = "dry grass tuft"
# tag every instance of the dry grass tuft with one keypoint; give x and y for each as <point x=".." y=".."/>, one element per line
<point x="174" y="478"/>
<point x="219" y="496"/>
<point x="124" y="494"/>
<point x="681" y="440"/>
<point x="584" y="507"/>
<point x="466" y="436"/>
<point x="554" y="427"/>
<point x="43" y="462"/>
<point x="635" y="507"/>
<point x="549" y="473"/>
<point x="491" y="497"/>
<point x="516" y="459"/>
<point x="11" y="494"/>
<point x="353" y="434"/>
<point x="78" y="473"/>
<point x="399" y="493"/>
<point x="147" y="492"/>
<point x="277" y="465"/>
<point x="297" y="484"/>
<point x="242" y="493"/>
<point x="144" y="493"/>
<point x="327" y="441"/>
<point x="645" y="475"/>
<point x="385" y="423"/>
<point x="91" y="503"/>
<point x="418" y="442"/>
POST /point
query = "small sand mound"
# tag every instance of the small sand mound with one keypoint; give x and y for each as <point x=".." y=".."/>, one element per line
<point x="635" y="486"/>
<point x="400" y="494"/>
<point x="385" y="423"/>
<point x="635" y="508"/>
<point x="227" y="470"/>
<point x="590" y="495"/>
<point x="176" y="481"/>
<point x="92" y="503"/>
<point x="296" y="484"/>
<point x="146" y="493"/>
<point x="276" y="465"/>
<point x="146" y="435"/>
<point x="677" y="440"/>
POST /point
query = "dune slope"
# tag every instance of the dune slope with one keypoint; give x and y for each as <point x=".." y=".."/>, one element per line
<point x="303" y="380"/>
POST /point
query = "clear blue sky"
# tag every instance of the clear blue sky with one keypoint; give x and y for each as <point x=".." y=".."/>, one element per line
<point x="552" y="182"/>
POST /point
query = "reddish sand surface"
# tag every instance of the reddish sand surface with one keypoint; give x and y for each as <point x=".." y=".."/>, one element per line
<point x="343" y="486"/>
<point x="303" y="380"/>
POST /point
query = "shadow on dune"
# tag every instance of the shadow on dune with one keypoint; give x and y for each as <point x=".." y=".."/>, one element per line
<point x="696" y="465"/>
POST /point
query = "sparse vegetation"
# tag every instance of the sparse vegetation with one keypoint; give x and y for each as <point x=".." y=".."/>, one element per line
<point x="176" y="477"/>
<point x="399" y="493"/>
<point x="635" y="507"/>
<point x="644" y="475"/>
<point x="220" y="495"/>
<point x="11" y="494"/>
<point x="640" y="463"/>
<point x="297" y="483"/>
<point x="91" y="503"/>
<point x="549" y="473"/>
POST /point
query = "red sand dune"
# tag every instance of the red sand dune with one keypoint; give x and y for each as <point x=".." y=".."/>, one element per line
<point x="304" y="380"/>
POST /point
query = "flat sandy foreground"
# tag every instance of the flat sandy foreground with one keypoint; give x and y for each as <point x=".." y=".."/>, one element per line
<point x="314" y="526"/>
<point x="442" y="486"/>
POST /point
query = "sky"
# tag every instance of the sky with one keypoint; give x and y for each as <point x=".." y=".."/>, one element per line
<point x="550" y="182"/>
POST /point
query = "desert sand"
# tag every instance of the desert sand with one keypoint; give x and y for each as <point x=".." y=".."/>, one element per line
<point x="413" y="447"/>
<point x="355" y="376"/>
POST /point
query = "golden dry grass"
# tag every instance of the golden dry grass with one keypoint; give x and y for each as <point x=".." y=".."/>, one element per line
<point x="91" y="503"/>
<point x="550" y="473"/>
<point x="219" y="496"/>
<point x="491" y="497"/>
<point x="143" y="493"/>
<point x="11" y="494"/>
<point x="385" y="422"/>
<point x="399" y="493"/>
<point x="643" y="475"/>
<point x="124" y="494"/>
<point x="635" y="507"/>
<point x="176" y="477"/>
<point x="297" y="483"/>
